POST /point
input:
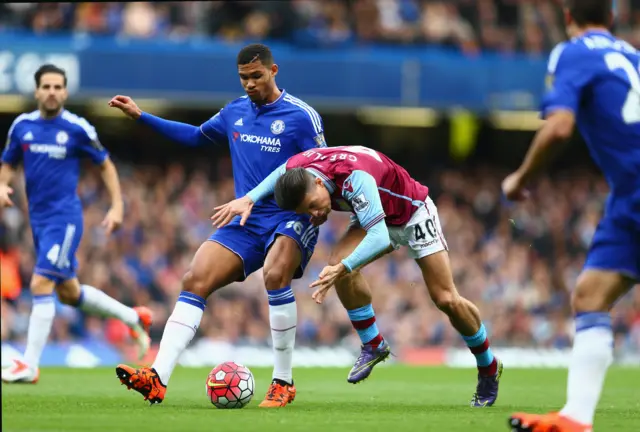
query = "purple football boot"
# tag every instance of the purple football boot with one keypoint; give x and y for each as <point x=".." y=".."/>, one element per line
<point x="487" y="389"/>
<point x="368" y="359"/>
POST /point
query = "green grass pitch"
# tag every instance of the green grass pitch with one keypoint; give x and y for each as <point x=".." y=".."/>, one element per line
<point x="395" y="398"/>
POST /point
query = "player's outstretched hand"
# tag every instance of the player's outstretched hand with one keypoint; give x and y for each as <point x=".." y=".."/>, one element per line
<point x="513" y="187"/>
<point x="327" y="278"/>
<point x="225" y="213"/>
<point x="126" y="105"/>
<point x="5" y="200"/>
<point x="113" y="220"/>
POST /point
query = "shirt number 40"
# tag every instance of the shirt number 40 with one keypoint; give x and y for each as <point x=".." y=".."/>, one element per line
<point x="419" y="230"/>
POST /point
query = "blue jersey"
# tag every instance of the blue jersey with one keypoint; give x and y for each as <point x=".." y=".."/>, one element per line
<point x="50" y="150"/>
<point x="597" y="77"/>
<point x="263" y="137"/>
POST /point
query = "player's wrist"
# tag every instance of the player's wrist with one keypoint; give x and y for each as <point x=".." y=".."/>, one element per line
<point x="117" y="205"/>
<point x="345" y="267"/>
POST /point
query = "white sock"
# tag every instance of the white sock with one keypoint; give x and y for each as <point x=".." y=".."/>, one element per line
<point x="591" y="357"/>
<point x="40" y="322"/>
<point x="283" y="317"/>
<point x="96" y="302"/>
<point x="180" y="329"/>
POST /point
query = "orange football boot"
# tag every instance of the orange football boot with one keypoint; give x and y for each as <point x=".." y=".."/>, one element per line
<point x="144" y="380"/>
<point x="279" y="394"/>
<point x="553" y="422"/>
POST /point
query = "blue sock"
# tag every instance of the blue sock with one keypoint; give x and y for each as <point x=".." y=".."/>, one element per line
<point x="479" y="346"/>
<point x="363" y="320"/>
<point x="281" y="296"/>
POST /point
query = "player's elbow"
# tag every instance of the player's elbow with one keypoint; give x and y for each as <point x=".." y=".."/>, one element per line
<point x="561" y="126"/>
<point x="563" y="132"/>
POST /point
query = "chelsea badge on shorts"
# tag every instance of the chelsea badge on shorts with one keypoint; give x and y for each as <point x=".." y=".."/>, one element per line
<point x="62" y="137"/>
<point x="277" y="127"/>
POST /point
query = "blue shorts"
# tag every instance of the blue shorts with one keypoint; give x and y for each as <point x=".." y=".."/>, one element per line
<point x="616" y="247"/>
<point x="56" y="246"/>
<point x="252" y="241"/>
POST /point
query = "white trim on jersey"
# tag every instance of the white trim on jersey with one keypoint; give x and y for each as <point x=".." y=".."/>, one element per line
<point x="83" y="123"/>
<point x="33" y="115"/>
<point x="554" y="57"/>
<point x="313" y="115"/>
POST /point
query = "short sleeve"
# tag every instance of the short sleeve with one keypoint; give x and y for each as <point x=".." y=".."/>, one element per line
<point x="570" y="70"/>
<point x="361" y="191"/>
<point x="12" y="153"/>
<point x="89" y="143"/>
<point x="311" y="129"/>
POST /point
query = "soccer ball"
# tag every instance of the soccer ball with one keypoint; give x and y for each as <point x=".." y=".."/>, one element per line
<point x="230" y="385"/>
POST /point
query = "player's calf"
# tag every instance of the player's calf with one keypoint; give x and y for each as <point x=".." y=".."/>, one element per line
<point x="465" y="318"/>
<point x="354" y="292"/>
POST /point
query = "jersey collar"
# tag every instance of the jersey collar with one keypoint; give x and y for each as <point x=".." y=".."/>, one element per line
<point x="602" y="32"/>
<point x="271" y="105"/>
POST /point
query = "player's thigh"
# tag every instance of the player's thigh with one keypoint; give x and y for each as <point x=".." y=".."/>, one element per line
<point x="56" y="251"/>
<point x="612" y="264"/>
<point x="615" y="248"/>
<point x="288" y="250"/>
<point x="598" y="290"/>
<point x="246" y="243"/>
<point x="352" y="289"/>
<point x="425" y="240"/>
<point x="281" y="263"/>
<point x="213" y="267"/>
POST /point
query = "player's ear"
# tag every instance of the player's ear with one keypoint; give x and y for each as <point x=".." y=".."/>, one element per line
<point x="274" y="70"/>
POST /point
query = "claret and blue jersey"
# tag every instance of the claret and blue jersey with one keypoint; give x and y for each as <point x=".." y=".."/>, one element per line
<point x="260" y="138"/>
<point x="597" y="77"/>
<point x="51" y="150"/>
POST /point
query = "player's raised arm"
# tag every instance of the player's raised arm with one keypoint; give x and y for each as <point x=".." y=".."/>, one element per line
<point x="213" y="130"/>
<point x="242" y="206"/>
<point x="569" y="71"/>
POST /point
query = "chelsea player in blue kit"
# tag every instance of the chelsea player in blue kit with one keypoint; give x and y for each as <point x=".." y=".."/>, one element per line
<point x="594" y="83"/>
<point x="50" y="142"/>
<point x="263" y="129"/>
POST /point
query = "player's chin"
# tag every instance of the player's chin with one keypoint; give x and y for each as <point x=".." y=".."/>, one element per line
<point x="255" y="97"/>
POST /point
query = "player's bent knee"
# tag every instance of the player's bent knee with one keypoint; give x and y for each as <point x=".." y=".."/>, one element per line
<point x="447" y="299"/>
<point x="197" y="284"/>
<point x="597" y="291"/>
<point x="41" y="285"/>
<point x="276" y="277"/>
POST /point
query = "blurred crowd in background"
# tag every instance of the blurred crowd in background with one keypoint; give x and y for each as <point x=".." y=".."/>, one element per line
<point x="518" y="264"/>
<point x="504" y="26"/>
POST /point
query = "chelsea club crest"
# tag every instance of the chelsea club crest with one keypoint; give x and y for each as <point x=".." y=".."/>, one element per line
<point x="277" y="127"/>
<point x="62" y="138"/>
